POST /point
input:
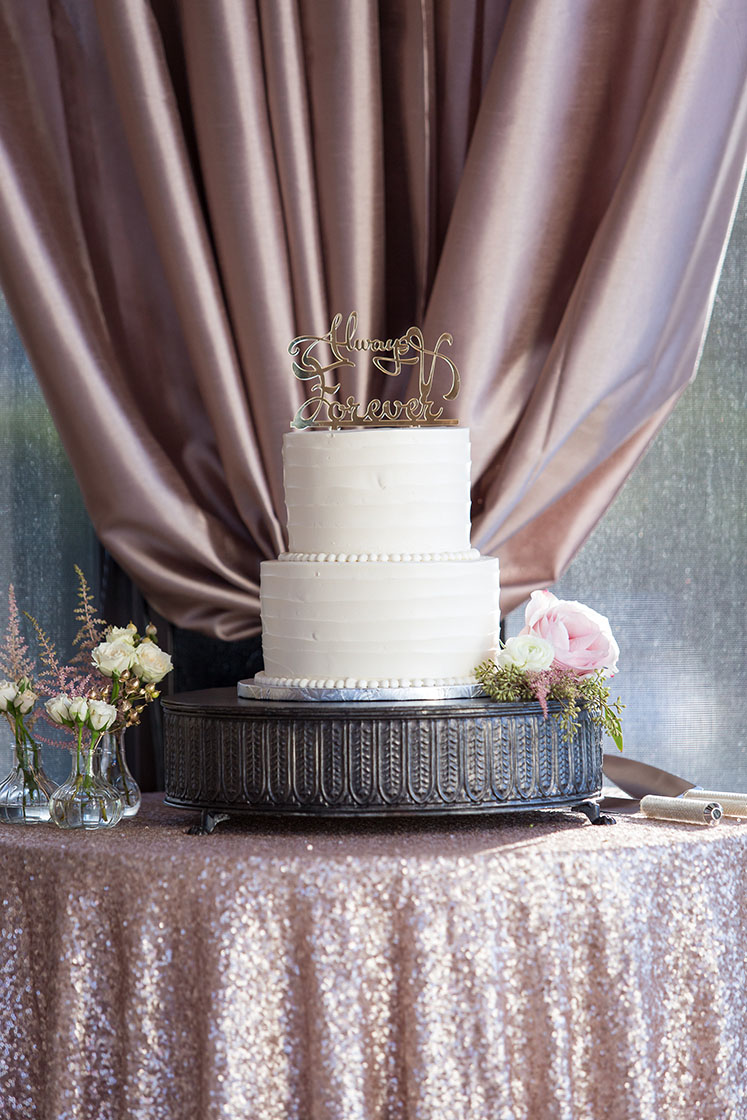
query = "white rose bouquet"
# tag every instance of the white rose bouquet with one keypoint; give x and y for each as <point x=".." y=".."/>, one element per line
<point x="564" y="652"/>
<point x="133" y="666"/>
<point x="17" y="700"/>
<point x="84" y="796"/>
<point x="80" y="713"/>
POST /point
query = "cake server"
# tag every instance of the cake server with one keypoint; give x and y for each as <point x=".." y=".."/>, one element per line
<point x="638" y="780"/>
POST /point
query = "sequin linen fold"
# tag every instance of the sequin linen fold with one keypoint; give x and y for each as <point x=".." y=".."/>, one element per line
<point x="526" y="968"/>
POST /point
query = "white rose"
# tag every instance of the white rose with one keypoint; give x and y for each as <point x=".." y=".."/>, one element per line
<point x="77" y="709"/>
<point x="122" y="634"/>
<point x="151" y="662"/>
<point x="527" y="652"/>
<point x="101" y="715"/>
<point x="26" y="701"/>
<point x="113" y="657"/>
<point x="59" y="708"/>
<point x="8" y="693"/>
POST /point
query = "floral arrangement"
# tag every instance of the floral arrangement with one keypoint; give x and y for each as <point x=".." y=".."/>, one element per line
<point x="134" y="665"/>
<point x="80" y="714"/>
<point x="113" y="666"/>
<point x="128" y="669"/>
<point x="104" y="688"/>
<point x="564" y="652"/>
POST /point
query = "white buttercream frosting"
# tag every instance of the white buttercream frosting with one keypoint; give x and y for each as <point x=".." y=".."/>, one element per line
<point x="375" y="621"/>
<point x="382" y="491"/>
<point x="379" y="587"/>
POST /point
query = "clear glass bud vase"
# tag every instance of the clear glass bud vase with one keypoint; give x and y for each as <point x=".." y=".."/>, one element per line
<point x="86" y="800"/>
<point x="114" y="769"/>
<point x="25" y="793"/>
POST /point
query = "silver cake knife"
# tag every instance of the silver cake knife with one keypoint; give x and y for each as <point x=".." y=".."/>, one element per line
<point x="638" y="779"/>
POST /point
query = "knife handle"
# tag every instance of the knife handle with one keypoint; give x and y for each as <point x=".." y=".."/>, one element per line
<point x="688" y="810"/>
<point x="733" y="804"/>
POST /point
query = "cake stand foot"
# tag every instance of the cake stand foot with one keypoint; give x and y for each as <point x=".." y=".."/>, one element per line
<point x="591" y="810"/>
<point x="209" y="818"/>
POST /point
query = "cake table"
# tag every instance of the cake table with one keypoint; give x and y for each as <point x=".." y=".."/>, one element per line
<point x="472" y="968"/>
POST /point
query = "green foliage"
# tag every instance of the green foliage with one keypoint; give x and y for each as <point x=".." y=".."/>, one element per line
<point x="508" y="684"/>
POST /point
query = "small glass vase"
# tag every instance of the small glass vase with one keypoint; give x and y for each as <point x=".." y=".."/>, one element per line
<point x="114" y="769"/>
<point x="86" y="800"/>
<point x="25" y="793"/>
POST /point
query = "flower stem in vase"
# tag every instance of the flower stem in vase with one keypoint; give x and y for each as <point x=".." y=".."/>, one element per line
<point x="86" y="800"/>
<point x="25" y="793"/>
<point x="115" y="770"/>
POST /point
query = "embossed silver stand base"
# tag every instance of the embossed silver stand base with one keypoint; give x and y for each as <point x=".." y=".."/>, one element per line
<point x="224" y="754"/>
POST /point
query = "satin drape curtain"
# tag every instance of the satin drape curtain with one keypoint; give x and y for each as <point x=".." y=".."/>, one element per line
<point x="186" y="186"/>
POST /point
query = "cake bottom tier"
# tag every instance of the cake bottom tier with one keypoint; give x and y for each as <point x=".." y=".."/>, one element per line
<point x="378" y="623"/>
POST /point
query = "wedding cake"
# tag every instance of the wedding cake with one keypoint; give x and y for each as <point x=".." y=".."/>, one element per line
<point x="378" y="602"/>
<point x="380" y="588"/>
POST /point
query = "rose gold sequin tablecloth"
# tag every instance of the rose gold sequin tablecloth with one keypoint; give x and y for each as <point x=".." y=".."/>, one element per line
<point x="486" y="969"/>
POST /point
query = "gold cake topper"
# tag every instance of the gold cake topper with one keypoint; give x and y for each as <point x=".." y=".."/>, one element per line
<point x="324" y="410"/>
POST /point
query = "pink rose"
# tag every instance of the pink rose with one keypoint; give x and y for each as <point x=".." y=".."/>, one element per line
<point x="581" y="638"/>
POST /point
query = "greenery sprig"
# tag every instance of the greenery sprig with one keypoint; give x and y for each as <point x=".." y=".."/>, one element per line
<point x="511" y="684"/>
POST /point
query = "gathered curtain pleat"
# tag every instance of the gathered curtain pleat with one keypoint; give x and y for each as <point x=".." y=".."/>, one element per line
<point x="186" y="186"/>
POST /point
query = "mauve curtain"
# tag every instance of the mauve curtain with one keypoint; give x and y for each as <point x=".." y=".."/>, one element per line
<point x="187" y="185"/>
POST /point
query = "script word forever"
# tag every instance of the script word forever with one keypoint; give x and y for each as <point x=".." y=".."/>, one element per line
<point x="324" y="409"/>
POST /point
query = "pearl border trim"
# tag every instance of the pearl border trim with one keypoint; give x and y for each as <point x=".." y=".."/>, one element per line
<point x="354" y="683"/>
<point x="379" y="557"/>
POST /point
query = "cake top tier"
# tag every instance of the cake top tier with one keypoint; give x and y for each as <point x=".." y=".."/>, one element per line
<point x="378" y="491"/>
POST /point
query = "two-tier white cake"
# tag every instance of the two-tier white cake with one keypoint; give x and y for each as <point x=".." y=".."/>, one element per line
<point x="380" y="588"/>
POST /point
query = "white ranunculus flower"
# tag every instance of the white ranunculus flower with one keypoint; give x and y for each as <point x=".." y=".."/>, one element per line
<point x="528" y="652"/>
<point x="101" y="715"/>
<point x="122" y="634"/>
<point x="151" y="663"/>
<point x="8" y="693"/>
<point x="59" y="708"/>
<point x="26" y="701"/>
<point x="113" y="657"/>
<point x="77" y="709"/>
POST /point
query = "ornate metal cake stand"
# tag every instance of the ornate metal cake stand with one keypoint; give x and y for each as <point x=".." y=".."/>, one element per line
<point x="225" y="754"/>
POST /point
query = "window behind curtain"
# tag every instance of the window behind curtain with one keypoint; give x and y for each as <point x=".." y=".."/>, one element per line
<point x="44" y="528"/>
<point x="666" y="563"/>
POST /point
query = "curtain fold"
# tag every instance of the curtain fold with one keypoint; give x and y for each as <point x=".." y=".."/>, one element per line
<point x="185" y="187"/>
